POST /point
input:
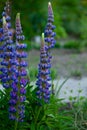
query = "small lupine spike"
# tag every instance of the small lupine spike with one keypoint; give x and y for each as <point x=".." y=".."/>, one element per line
<point x="18" y="16"/>
<point x="6" y="14"/>
<point x="50" y="11"/>
<point x="49" y="34"/>
<point x="4" y="21"/>
<point x="42" y="43"/>
<point x="8" y="8"/>
<point x="19" y="35"/>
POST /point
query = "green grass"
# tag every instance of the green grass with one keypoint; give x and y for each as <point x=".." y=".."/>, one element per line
<point x="76" y="73"/>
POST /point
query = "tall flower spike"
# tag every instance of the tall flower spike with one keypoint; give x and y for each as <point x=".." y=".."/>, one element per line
<point x="17" y="108"/>
<point x="43" y="84"/>
<point x="49" y="34"/>
<point x="7" y="56"/>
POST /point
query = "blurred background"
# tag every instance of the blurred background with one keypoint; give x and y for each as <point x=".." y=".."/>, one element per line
<point x="70" y="17"/>
<point x="71" y="30"/>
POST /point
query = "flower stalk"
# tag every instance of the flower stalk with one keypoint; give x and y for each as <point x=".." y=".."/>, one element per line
<point x="43" y="81"/>
<point x="49" y="30"/>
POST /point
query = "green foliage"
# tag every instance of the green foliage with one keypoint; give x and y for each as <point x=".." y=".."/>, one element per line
<point x="73" y="16"/>
<point x="29" y="45"/>
<point x="83" y="28"/>
<point x="57" y="45"/>
<point x="53" y="74"/>
<point x="78" y="106"/>
<point x="45" y="116"/>
<point x="56" y="115"/>
<point x="76" y="73"/>
<point x="34" y="17"/>
<point x="70" y="16"/>
<point x="60" y="30"/>
<point x="5" y="123"/>
<point x="32" y="73"/>
<point x="72" y="45"/>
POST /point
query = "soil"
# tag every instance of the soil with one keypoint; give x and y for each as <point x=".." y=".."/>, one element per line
<point x="65" y="62"/>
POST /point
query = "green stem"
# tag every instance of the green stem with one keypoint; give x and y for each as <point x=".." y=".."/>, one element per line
<point x="16" y="125"/>
<point x="38" y="112"/>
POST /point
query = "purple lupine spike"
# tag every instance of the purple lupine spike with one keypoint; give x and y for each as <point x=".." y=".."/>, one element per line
<point x="43" y="84"/>
<point x="49" y="34"/>
<point x="4" y="35"/>
<point x="19" y="78"/>
<point x="8" y="8"/>
<point x="6" y="14"/>
<point x="7" y="55"/>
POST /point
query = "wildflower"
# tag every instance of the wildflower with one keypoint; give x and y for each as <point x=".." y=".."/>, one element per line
<point x="43" y="84"/>
<point x="6" y="14"/>
<point x="49" y="33"/>
<point x="7" y="56"/>
<point x="19" y="82"/>
<point x="6" y="47"/>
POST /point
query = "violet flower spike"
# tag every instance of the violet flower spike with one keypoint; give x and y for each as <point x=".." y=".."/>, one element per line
<point x="3" y="40"/>
<point x="49" y="30"/>
<point x="7" y="56"/>
<point x="6" y="14"/>
<point x="17" y="109"/>
<point x="43" y="84"/>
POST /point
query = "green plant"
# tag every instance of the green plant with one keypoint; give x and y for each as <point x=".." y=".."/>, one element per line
<point x="77" y="111"/>
<point x="72" y="45"/>
<point x="57" y="45"/>
<point x="32" y="73"/>
<point x="76" y="73"/>
<point x="53" y="74"/>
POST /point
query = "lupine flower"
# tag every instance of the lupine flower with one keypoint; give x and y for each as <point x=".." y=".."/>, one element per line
<point x="17" y="108"/>
<point x="49" y="33"/>
<point x="7" y="56"/>
<point x="43" y="84"/>
<point x="6" y="14"/>
<point x="4" y="36"/>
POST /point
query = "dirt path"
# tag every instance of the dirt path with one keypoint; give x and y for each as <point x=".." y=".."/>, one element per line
<point x="65" y="62"/>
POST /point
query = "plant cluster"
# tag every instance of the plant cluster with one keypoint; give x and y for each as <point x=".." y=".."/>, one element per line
<point x="24" y="106"/>
<point x="13" y="74"/>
